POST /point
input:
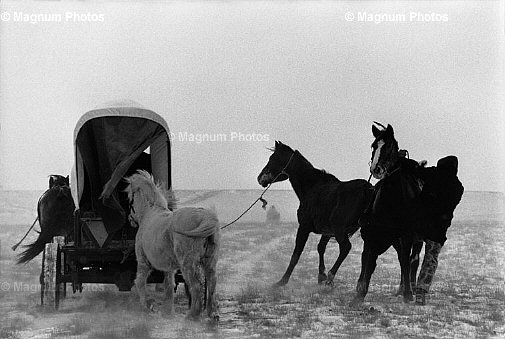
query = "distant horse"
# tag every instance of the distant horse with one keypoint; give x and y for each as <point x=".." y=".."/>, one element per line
<point x="55" y="211"/>
<point x="186" y="239"/>
<point x="390" y="221"/>
<point x="328" y="206"/>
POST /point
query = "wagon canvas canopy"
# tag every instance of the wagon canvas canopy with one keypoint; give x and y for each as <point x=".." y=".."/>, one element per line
<point x="108" y="142"/>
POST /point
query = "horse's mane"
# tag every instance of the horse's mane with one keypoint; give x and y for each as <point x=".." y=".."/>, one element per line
<point x="154" y="193"/>
<point x="319" y="174"/>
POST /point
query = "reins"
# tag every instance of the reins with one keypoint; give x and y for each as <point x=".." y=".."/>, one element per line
<point x="264" y="191"/>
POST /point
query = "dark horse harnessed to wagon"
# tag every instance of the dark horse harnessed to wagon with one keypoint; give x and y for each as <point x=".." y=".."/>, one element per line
<point x="55" y="210"/>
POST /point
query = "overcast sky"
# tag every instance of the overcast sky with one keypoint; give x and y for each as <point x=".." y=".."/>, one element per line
<point x="311" y="74"/>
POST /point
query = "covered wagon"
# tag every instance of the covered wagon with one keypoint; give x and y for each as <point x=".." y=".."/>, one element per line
<point x="110" y="142"/>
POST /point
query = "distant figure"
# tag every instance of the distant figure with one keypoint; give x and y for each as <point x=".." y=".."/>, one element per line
<point x="273" y="216"/>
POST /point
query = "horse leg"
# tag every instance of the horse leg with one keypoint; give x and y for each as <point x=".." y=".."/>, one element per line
<point x="209" y="267"/>
<point x="321" y="248"/>
<point x="169" y="292"/>
<point x="188" y="294"/>
<point x="192" y="275"/>
<point x="368" y="264"/>
<point x="212" y="307"/>
<point x="398" y="248"/>
<point x="406" y="248"/>
<point x="374" y="245"/>
<point x="414" y="261"/>
<point x="301" y="239"/>
<point x="143" y="271"/>
<point x="344" y="248"/>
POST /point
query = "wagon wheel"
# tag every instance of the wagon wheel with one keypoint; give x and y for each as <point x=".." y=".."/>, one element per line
<point x="42" y="278"/>
<point x="51" y="287"/>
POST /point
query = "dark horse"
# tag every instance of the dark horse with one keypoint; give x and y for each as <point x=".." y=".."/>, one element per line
<point x="55" y="214"/>
<point x="56" y="207"/>
<point x="388" y="218"/>
<point x="328" y="206"/>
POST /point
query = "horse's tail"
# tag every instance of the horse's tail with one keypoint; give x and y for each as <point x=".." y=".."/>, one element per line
<point x="206" y="222"/>
<point x="212" y="245"/>
<point x="205" y="229"/>
<point x="33" y="249"/>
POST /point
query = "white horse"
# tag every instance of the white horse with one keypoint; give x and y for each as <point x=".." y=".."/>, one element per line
<point x="186" y="239"/>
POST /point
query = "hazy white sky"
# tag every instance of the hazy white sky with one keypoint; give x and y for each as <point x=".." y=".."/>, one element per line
<point x="307" y="73"/>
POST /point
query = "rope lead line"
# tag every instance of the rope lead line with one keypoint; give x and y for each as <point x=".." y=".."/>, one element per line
<point x="264" y="191"/>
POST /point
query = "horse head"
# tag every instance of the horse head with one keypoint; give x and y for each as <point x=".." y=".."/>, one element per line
<point x="56" y="180"/>
<point x="144" y="193"/>
<point x="275" y="169"/>
<point x="384" y="151"/>
<point x="60" y="183"/>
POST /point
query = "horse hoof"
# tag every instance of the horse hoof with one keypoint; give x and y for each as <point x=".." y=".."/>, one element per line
<point x="280" y="283"/>
<point x="149" y="306"/>
<point x="321" y="278"/>
<point x="168" y="311"/>
<point x="399" y="292"/>
<point x="356" y="302"/>
<point x="408" y="298"/>
<point x="192" y="317"/>
<point x="420" y="299"/>
<point x="329" y="280"/>
<point x="149" y="309"/>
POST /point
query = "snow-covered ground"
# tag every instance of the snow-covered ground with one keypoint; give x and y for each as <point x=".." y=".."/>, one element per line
<point x="467" y="300"/>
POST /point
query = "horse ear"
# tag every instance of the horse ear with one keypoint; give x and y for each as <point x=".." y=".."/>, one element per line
<point x="389" y="130"/>
<point x="375" y="131"/>
<point x="51" y="181"/>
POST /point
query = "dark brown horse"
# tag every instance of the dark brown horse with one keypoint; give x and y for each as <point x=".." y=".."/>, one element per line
<point x="56" y="207"/>
<point x="389" y="217"/>
<point x="328" y="206"/>
<point x="55" y="214"/>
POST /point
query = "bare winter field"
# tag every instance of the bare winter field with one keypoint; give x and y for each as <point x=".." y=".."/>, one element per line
<point x="467" y="300"/>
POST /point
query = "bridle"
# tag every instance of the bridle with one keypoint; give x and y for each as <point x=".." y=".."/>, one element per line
<point x="402" y="153"/>
<point x="389" y="163"/>
<point x="283" y="170"/>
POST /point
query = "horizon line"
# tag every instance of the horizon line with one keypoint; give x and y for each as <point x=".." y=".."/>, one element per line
<point x="230" y="189"/>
